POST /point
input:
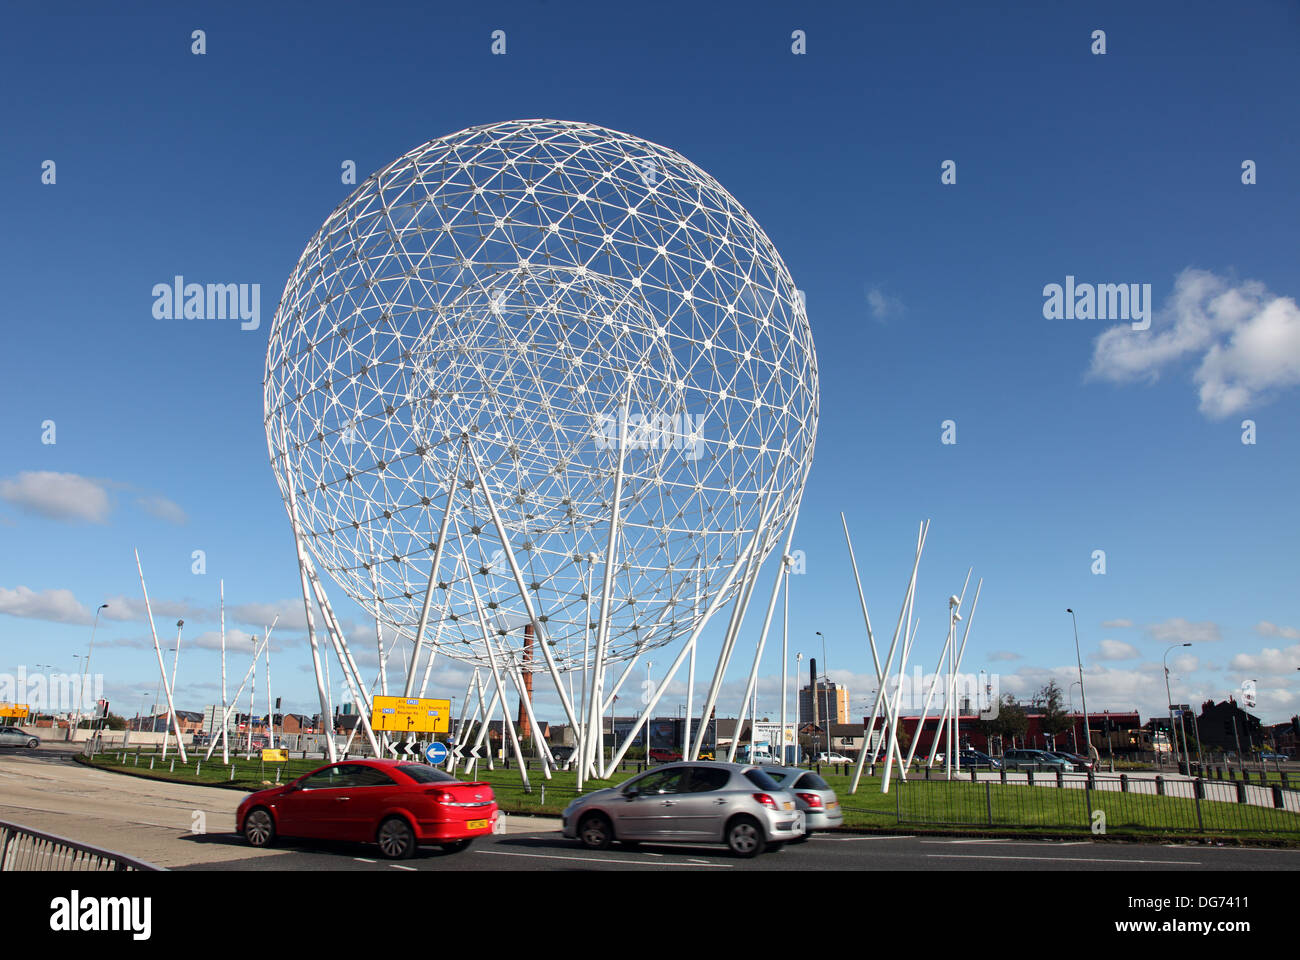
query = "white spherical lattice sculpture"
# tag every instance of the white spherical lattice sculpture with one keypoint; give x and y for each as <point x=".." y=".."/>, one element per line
<point x="514" y="287"/>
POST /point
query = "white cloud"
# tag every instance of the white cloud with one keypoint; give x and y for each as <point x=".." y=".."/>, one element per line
<point x="1268" y="660"/>
<point x="884" y="307"/>
<point x="1116" y="624"/>
<point x="124" y="609"/>
<point x="1266" y="629"/>
<point x="1117" y="650"/>
<point x="1178" y="630"/>
<point x="59" y="606"/>
<point x="59" y="496"/>
<point x="1247" y="339"/>
<point x="163" y="509"/>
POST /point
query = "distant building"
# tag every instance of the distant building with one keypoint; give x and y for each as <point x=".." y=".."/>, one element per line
<point x="1228" y="727"/>
<point x="832" y="698"/>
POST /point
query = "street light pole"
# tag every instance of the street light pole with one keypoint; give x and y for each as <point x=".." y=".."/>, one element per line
<point x="1169" y="698"/>
<point x="1083" y="693"/>
<point x="826" y="713"/>
<point x="85" y="672"/>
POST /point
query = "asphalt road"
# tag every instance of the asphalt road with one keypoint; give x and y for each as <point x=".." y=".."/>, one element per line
<point x="155" y="821"/>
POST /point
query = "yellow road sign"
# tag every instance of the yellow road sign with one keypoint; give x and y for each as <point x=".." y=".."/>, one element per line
<point x="276" y="756"/>
<point x="13" y="710"/>
<point x="411" y="714"/>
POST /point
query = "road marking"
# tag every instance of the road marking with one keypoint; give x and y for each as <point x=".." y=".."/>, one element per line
<point x="362" y="860"/>
<point x="550" y="856"/>
<point x="980" y="856"/>
<point x="843" y="839"/>
<point x="398" y="866"/>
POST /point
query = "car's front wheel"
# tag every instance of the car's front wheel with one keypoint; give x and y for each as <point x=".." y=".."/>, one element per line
<point x="595" y="831"/>
<point x="33" y="743"/>
<point x="259" y="828"/>
<point x="745" y="837"/>
<point x="396" y="839"/>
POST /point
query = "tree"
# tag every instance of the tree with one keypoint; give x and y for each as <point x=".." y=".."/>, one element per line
<point x="1055" y="720"/>
<point x="1011" y="721"/>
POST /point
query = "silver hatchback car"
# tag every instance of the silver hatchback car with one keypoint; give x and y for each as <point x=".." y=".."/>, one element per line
<point x="732" y="803"/>
<point x="820" y="806"/>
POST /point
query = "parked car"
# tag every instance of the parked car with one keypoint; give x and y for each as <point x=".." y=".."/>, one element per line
<point x="1076" y="760"/>
<point x="821" y="808"/>
<point x="732" y="803"/>
<point x="832" y="758"/>
<point x="973" y="758"/>
<point x="1273" y="756"/>
<point x="1035" y="760"/>
<point x="18" y="737"/>
<point x="397" y="804"/>
<point x="664" y="755"/>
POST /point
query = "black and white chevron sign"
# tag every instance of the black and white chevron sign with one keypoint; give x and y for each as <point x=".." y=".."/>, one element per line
<point x="458" y="754"/>
<point x="405" y="749"/>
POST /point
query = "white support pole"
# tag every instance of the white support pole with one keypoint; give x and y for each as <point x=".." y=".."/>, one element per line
<point x="728" y="645"/>
<point x="464" y="715"/>
<point x="785" y="666"/>
<point x="496" y="677"/>
<point x="225" y="736"/>
<point x="908" y="634"/>
<point x="234" y="701"/>
<point x="433" y="651"/>
<point x="176" y="659"/>
<point x="881" y="674"/>
<point x="580" y="731"/>
<point x="929" y="699"/>
<point x="538" y="632"/>
<point x="690" y="677"/>
<point x="944" y="726"/>
<point x="270" y="702"/>
<point x="379" y="635"/>
<point x="893" y="644"/>
<point x="252" y="692"/>
<point x="484" y="726"/>
<point x="324" y="694"/>
<point x="351" y="675"/>
<point x="762" y="643"/>
<point x="162" y="670"/>
<point x="741" y="561"/>
<point x="433" y="572"/>
<point x="543" y="748"/>
<point x="961" y="652"/>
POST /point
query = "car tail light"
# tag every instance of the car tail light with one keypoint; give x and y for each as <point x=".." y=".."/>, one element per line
<point x="765" y="800"/>
<point x="438" y="796"/>
<point x="811" y="799"/>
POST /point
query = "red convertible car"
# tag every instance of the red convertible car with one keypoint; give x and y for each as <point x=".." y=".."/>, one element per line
<point x="397" y="804"/>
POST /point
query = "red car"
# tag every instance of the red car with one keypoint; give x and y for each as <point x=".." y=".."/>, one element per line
<point x="394" y="803"/>
<point x="664" y="755"/>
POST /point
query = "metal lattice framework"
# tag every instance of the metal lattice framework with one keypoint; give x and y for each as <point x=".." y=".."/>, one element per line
<point x="511" y="336"/>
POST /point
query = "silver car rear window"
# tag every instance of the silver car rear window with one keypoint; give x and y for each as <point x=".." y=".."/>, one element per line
<point x="761" y="780"/>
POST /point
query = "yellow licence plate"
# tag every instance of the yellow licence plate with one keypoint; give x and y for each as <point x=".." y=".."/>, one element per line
<point x="787" y="806"/>
<point x="476" y="824"/>
<point x="832" y="805"/>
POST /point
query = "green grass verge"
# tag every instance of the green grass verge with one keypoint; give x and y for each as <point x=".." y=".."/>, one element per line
<point x="925" y="807"/>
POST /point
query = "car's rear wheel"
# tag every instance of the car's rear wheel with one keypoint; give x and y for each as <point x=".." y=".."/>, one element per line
<point x="595" y="831"/>
<point x="259" y="828"/>
<point x="33" y="743"/>
<point x="456" y="846"/>
<point x="745" y="837"/>
<point x="396" y="839"/>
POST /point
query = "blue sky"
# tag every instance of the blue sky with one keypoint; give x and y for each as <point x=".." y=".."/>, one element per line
<point x="925" y="299"/>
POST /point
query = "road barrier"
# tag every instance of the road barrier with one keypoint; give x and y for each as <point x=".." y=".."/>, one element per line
<point x="1101" y="804"/>
<point x="22" y="848"/>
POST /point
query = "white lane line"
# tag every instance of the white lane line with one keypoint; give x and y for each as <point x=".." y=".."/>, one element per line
<point x="1022" y="843"/>
<point x="650" y="854"/>
<point x="362" y="860"/>
<point x="398" y="866"/>
<point x="847" y="839"/>
<point x="980" y="856"/>
<point x="652" y="863"/>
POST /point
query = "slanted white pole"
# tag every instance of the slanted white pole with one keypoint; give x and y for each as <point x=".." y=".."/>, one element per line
<point x="509" y="725"/>
<point x="176" y="658"/>
<point x="762" y="643"/>
<point x="225" y="736"/>
<point x="433" y="572"/>
<point x="690" y="679"/>
<point x="741" y="561"/>
<point x="162" y="670"/>
<point x="323" y="692"/>
<point x="961" y="652"/>
<point x="234" y="701"/>
<point x="889" y="657"/>
<point x="785" y="664"/>
<point x="270" y="702"/>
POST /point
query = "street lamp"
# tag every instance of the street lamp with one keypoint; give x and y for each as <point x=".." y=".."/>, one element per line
<point x="81" y="694"/>
<point x="826" y="713"/>
<point x="1083" y="693"/>
<point x="1169" y="698"/>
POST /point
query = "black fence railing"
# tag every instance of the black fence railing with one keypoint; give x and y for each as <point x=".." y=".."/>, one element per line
<point x="1103" y="804"/>
<point x="22" y="848"/>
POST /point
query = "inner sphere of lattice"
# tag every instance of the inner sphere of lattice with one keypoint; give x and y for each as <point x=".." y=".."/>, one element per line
<point x="524" y="288"/>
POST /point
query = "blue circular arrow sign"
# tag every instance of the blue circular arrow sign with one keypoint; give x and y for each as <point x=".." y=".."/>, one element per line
<point x="436" y="753"/>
